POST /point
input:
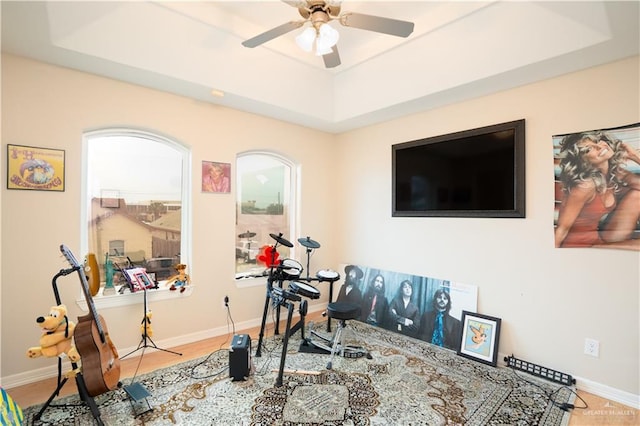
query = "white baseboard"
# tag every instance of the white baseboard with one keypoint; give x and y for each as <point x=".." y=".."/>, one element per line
<point x="38" y="374"/>
<point x="607" y="392"/>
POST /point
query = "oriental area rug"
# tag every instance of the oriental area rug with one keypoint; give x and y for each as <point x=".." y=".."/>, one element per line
<point x="404" y="382"/>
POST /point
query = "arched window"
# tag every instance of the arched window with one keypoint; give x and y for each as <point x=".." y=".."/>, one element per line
<point x="266" y="203"/>
<point x="136" y="203"/>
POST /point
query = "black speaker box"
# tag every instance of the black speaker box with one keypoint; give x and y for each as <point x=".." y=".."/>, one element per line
<point x="240" y="357"/>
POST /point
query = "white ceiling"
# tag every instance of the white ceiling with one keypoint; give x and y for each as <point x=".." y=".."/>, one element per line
<point x="458" y="50"/>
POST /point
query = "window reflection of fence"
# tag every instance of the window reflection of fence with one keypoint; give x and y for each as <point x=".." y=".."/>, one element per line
<point x="166" y="248"/>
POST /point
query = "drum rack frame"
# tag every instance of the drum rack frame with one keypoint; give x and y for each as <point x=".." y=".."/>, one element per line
<point x="280" y="297"/>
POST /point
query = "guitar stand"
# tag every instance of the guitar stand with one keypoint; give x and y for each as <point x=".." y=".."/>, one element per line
<point x="143" y="342"/>
<point x="82" y="388"/>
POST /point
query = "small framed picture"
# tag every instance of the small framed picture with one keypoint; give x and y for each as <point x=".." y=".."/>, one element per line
<point x="480" y="337"/>
<point x="30" y="167"/>
<point x="216" y="177"/>
<point x="144" y="280"/>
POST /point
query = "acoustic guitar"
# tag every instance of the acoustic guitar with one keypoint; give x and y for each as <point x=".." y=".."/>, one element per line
<point x="98" y="354"/>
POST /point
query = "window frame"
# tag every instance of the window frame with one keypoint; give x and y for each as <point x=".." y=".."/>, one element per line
<point x="294" y="205"/>
<point x="186" y="239"/>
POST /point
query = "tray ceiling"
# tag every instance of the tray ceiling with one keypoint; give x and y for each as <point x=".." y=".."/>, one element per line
<point x="458" y="50"/>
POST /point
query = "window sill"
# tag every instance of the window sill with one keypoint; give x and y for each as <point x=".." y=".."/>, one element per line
<point x="250" y="281"/>
<point x="115" y="300"/>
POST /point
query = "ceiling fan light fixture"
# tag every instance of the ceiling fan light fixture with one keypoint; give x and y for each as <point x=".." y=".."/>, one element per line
<point x="323" y="50"/>
<point x="327" y="37"/>
<point x="306" y="38"/>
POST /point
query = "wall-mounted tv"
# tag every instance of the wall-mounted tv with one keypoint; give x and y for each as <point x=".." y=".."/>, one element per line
<point x="473" y="173"/>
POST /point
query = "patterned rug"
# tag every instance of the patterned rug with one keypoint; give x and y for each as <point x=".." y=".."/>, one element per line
<point x="406" y="382"/>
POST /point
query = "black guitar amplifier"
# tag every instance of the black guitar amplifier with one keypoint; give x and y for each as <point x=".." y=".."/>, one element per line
<point x="240" y="357"/>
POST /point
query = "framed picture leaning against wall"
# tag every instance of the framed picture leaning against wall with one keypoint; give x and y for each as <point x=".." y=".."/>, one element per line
<point x="480" y="337"/>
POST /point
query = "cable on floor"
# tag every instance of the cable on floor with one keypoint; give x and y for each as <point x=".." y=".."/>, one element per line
<point x="551" y="396"/>
<point x="229" y="333"/>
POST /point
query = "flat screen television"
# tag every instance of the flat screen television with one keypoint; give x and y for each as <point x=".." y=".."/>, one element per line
<point x="472" y="173"/>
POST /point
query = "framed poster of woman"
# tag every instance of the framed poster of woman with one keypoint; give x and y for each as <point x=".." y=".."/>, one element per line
<point x="597" y="188"/>
<point x="216" y="177"/>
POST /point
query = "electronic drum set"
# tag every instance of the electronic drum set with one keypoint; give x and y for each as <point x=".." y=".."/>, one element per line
<point x="298" y="290"/>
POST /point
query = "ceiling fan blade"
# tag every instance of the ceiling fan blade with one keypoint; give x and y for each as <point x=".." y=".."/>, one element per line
<point x="332" y="60"/>
<point x="272" y="33"/>
<point x="296" y="3"/>
<point x="305" y="4"/>
<point x="377" y="23"/>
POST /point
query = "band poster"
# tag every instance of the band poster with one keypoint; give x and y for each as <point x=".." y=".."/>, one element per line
<point x="35" y="168"/>
<point x="426" y="308"/>
<point x="597" y="188"/>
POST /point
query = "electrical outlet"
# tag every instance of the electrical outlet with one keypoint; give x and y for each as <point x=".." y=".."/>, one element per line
<point x="225" y="302"/>
<point x="591" y="347"/>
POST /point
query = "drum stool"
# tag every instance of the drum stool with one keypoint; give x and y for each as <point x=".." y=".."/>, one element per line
<point x="341" y="311"/>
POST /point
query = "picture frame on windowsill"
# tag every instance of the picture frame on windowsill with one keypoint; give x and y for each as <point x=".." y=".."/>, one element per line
<point x="138" y="279"/>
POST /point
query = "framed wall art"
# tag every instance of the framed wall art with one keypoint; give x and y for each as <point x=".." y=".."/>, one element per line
<point x="35" y="168"/>
<point x="434" y="308"/>
<point x="581" y="220"/>
<point x="480" y="337"/>
<point x="216" y="177"/>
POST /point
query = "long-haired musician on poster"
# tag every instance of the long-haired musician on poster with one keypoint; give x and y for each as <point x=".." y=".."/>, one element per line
<point x="404" y="314"/>
<point x="601" y="197"/>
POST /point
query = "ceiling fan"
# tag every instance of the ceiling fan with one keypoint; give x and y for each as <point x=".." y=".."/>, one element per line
<point x="323" y="36"/>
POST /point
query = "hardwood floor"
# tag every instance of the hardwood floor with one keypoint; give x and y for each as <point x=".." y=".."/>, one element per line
<point x="603" y="412"/>
<point x="599" y="411"/>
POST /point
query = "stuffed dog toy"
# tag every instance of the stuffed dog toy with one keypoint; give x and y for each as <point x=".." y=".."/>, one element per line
<point x="57" y="332"/>
<point x="146" y="324"/>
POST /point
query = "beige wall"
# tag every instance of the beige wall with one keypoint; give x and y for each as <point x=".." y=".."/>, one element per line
<point x="51" y="107"/>
<point x="549" y="299"/>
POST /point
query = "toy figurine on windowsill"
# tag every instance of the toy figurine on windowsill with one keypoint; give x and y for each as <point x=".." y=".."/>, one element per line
<point x="181" y="280"/>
